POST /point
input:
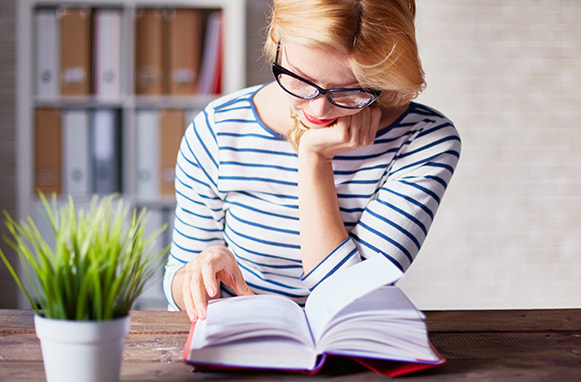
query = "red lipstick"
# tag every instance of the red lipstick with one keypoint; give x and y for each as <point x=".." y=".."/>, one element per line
<point x="316" y="121"/>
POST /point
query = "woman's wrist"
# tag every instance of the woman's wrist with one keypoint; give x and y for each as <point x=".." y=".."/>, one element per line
<point x="176" y="288"/>
<point x="311" y="156"/>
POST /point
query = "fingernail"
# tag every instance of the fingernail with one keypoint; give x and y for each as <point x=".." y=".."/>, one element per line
<point x="211" y="291"/>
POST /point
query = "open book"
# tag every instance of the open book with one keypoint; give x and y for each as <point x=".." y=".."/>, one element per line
<point x="354" y="313"/>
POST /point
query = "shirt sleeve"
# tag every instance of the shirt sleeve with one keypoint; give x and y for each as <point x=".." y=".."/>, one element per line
<point x="199" y="217"/>
<point x="395" y="223"/>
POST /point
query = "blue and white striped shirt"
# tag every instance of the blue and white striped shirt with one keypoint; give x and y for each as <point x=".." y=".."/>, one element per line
<point x="236" y="186"/>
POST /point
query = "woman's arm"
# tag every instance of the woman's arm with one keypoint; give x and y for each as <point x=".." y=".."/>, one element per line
<point x="321" y="225"/>
<point x="396" y="220"/>
<point x="198" y="260"/>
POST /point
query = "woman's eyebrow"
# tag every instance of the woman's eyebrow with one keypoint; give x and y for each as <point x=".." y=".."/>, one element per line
<point x="297" y="71"/>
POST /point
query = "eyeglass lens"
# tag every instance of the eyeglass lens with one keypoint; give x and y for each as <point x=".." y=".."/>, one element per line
<point x="304" y="90"/>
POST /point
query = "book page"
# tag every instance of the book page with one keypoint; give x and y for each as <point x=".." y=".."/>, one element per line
<point x="258" y="316"/>
<point x="382" y="324"/>
<point x="386" y="302"/>
<point x="344" y="287"/>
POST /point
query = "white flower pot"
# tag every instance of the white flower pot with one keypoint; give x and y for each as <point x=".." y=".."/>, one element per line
<point x="82" y="350"/>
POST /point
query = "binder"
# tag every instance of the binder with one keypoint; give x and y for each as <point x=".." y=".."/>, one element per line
<point x="75" y="51"/>
<point x="183" y="39"/>
<point x="106" y="139"/>
<point x="152" y="297"/>
<point x="211" y="71"/>
<point x="47" y="150"/>
<point x="76" y="157"/>
<point x="107" y="53"/>
<point x="218" y="68"/>
<point x="46" y="49"/>
<point x="170" y="216"/>
<point x="148" y="158"/>
<point x="172" y="130"/>
<point x="148" y="51"/>
<point x="190" y="115"/>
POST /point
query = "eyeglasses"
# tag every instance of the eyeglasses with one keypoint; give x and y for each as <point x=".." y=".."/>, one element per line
<point x="301" y="88"/>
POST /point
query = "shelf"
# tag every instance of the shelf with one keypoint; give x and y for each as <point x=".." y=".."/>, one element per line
<point x="127" y="107"/>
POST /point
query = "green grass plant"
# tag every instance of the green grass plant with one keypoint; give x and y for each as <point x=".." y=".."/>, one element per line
<point x="100" y="262"/>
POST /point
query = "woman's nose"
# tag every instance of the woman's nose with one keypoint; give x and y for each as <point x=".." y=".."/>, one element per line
<point x="320" y="106"/>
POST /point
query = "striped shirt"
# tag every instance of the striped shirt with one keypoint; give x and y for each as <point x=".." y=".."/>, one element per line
<point x="236" y="186"/>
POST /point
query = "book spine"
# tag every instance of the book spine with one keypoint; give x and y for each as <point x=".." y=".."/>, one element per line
<point x="211" y="66"/>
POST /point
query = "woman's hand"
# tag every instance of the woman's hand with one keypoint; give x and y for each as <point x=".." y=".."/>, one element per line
<point x="198" y="281"/>
<point x="348" y="133"/>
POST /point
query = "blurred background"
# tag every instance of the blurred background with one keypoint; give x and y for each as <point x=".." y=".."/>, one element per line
<point x="507" y="72"/>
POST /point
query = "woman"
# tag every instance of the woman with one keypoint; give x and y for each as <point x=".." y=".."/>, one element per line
<point x="280" y="185"/>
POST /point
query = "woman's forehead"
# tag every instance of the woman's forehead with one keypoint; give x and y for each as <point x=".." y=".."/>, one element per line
<point x="326" y="67"/>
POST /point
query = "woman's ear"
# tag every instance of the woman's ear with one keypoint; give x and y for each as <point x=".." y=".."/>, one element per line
<point x="273" y="34"/>
<point x="269" y="49"/>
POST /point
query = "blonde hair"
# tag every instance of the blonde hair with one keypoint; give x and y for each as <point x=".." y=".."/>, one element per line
<point x="377" y="35"/>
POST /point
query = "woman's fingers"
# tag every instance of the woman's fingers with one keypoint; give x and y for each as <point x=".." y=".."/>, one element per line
<point x="199" y="295"/>
<point x="363" y="127"/>
<point x="210" y="281"/>
<point x="238" y="284"/>
<point x="348" y="133"/>
<point x="203" y="276"/>
<point x="194" y="288"/>
<point x="373" y="117"/>
<point x="188" y="287"/>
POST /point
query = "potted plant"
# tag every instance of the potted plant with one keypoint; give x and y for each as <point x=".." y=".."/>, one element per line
<point x="83" y="287"/>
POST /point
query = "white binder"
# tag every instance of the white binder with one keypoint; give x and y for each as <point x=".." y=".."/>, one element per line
<point x="76" y="153"/>
<point x="107" y="53"/>
<point x="47" y="53"/>
<point x="147" y="148"/>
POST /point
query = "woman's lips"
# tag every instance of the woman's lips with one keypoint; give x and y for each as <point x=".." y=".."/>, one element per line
<point x="316" y="121"/>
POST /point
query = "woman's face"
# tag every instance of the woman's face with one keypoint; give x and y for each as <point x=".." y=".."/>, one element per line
<point x="327" y="69"/>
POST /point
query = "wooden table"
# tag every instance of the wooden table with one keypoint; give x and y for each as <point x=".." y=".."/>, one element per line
<point x="510" y="345"/>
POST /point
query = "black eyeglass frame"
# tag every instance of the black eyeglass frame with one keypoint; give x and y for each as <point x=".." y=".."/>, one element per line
<point x="277" y="70"/>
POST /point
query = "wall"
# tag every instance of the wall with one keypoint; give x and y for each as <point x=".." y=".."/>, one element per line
<point x="8" y="290"/>
<point x="508" y="233"/>
<point x="257" y="70"/>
